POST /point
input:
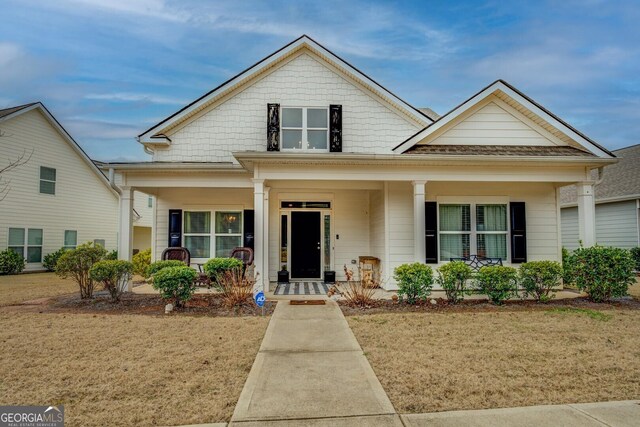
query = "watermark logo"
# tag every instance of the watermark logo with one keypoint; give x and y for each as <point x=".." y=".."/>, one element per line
<point x="32" y="416"/>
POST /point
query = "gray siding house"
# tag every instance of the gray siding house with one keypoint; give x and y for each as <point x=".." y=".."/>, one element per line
<point x="617" y="204"/>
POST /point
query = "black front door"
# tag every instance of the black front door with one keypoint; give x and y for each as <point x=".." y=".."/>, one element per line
<point x="305" y="245"/>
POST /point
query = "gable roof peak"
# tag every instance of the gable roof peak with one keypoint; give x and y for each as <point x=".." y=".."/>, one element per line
<point x="244" y="76"/>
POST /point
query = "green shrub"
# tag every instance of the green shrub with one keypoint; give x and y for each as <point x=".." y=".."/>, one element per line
<point x="453" y="278"/>
<point x="216" y="267"/>
<point x="498" y="282"/>
<point x="414" y="281"/>
<point x="51" y="259"/>
<point x="176" y="284"/>
<point x="539" y="278"/>
<point x="635" y="254"/>
<point x="113" y="255"/>
<point x="76" y="263"/>
<point x="603" y="272"/>
<point x="159" y="265"/>
<point x="567" y="268"/>
<point x="11" y="262"/>
<point x="142" y="261"/>
<point x="113" y="274"/>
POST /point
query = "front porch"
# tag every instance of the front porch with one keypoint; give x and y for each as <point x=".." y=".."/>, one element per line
<point x="312" y="218"/>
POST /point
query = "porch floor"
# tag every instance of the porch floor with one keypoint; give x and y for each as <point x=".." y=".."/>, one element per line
<point x="302" y="288"/>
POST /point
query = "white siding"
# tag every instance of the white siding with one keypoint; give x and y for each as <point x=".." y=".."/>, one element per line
<point x="142" y="208"/>
<point x="617" y="224"/>
<point x="196" y="199"/>
<point x="240" y="122"/>
<point x="540" y="202"/>
<point x="376" y="224"/>
<point x="570" y="229"/>
<point x="492" y="125"/>
<point x="82" y="201"/>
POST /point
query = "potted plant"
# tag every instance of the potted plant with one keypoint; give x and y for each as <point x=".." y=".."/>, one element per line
<point x="283" y="275"/>
<point x="329" y="276"/>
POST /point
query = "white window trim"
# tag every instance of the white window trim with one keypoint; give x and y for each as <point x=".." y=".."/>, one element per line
<point x="26" y="244"/>
<point x="473" y="202"/>
<point x="304" y="130"/>
<point x="55" y="186"/>
<point x="212" y="234"/>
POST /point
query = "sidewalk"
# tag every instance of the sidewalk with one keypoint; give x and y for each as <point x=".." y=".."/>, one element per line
<point x="613" y="414"/>
<point x="311" y="371"/>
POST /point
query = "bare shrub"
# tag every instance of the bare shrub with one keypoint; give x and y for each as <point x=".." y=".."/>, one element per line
<point x="356" y="292"/>
<point x="236" y="288"/>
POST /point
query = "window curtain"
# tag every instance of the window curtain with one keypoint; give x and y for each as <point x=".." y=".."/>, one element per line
<point x="491" y="218"/>
<point x="492" y="245"/>
<point x="455" y="218"/>
<point x="453" y="246"/>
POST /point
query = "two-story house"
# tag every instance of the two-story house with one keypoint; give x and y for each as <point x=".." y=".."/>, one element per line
<point x="313" y="164"/>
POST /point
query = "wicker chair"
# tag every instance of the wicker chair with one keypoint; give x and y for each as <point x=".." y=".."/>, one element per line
<point x="243" y="254"/>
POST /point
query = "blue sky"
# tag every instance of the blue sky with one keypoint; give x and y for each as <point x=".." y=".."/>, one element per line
<point x="109" y="69"/>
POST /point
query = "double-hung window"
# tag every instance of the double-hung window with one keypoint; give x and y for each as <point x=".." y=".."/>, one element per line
<point x="305" y="128"/>
<point x="228" y="232"/>
<point x="197" y="233"/>
<point x="70" y="239"/>
<point x="491" y="228"/>
<point x="212" y="233"/>
<point x="483" y="233"/>
<point x="47" y="180"/>
<point x="455" y="231"/>
<point x="29" y="248"/>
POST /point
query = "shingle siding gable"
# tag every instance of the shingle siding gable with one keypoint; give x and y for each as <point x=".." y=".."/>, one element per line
<point x="239" y="123"/>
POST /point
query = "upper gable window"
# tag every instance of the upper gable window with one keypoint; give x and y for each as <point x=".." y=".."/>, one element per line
<point x="47" y="180"/>
<point x="305" y="128"/>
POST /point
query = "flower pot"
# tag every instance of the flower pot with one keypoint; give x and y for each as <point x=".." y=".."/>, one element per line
<point x="283" y="276"/>
<point x="329" y="277"/>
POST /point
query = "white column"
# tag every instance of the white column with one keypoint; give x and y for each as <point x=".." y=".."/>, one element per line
<point x="125" y="234"/>
<point x="586" y="214"/>
<point x="258" y="240"/>
<point x="265" y="240"/>
<point x="419" y="246"/>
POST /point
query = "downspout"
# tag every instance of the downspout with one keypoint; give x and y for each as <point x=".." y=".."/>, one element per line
<point x="145" y="147"/>
<point x="600" y="175"/>
<point x="112" y="182"/>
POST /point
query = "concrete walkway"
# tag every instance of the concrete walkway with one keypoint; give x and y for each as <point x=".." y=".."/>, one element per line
<point x="613" y="414"/>
<point x="311" y="371"/>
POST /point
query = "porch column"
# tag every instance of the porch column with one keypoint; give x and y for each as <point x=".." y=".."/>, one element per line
<point x="265" y="240"/>
<point x="419" y="245"/>
<point x="258" y="241"/>
<point x="125" y="233"/>
<point x="586" y="214"/>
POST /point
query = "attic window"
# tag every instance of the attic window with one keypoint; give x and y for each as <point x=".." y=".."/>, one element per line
<point x="305" y="128"/>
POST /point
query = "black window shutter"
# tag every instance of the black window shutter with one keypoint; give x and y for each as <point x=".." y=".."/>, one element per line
<point x="431" y="231"/>
<point x="175" y="228"/>
<point x="518" y="232"/>
<point x="273" y="127"/>
<point x="335" y="128"/>
<point x="248" y="226"/>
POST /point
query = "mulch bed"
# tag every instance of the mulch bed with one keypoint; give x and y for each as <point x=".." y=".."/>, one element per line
<point x="467" y="306"/>
<point x="200" y="305"/>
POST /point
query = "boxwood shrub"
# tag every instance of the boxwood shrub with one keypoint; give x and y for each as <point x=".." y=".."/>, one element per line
<point x="159" y="265"/>
<point x="453" y="278"/>
<point x="498" y="282"/>
<point x="51" y="259"/>
<point x="539" y="278"/>
<point x="414" y="281"/>
<point x="76" y="263"/>
<point x="176" y="284"/>
<point x="603" y="272"/>
<point x="11" y="262"/>
<point x="635" y="254"/>
<point x="113" y="274"/>
<point x="216" y="267"/>
<point x="141" y="261"/>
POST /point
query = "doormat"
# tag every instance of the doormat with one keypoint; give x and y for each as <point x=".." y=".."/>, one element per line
<point x="307" y="302"/>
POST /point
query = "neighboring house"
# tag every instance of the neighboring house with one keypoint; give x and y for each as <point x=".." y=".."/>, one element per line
<point x="313" y="164"/>
<point x="617" y="204"/>
<point x="58" y="198"/>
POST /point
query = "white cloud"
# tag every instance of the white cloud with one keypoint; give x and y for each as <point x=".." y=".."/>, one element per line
<point x="136" y="97"/>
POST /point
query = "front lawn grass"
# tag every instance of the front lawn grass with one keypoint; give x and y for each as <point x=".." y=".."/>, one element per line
<point x="123" y="370"/>
<point x="474" y="360"/>
<point x="18" y="288"/>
